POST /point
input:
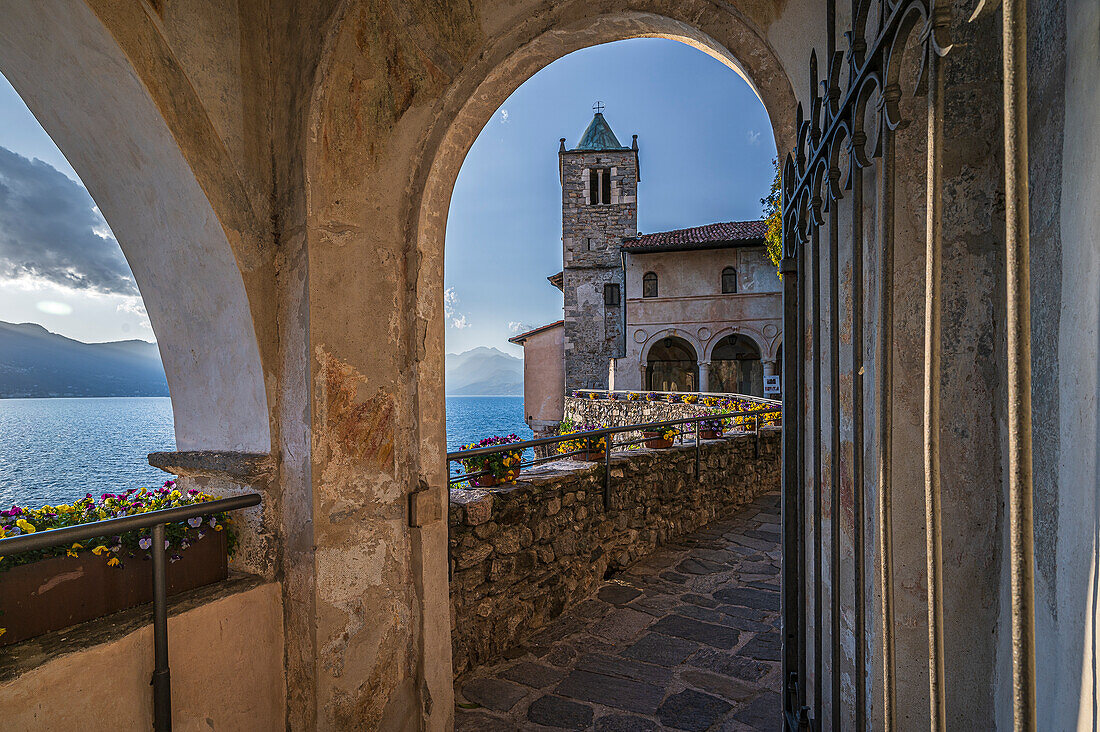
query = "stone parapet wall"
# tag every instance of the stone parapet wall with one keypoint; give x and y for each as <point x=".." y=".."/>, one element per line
<point x="620" y="412"/>
<point x="521" y="554"/>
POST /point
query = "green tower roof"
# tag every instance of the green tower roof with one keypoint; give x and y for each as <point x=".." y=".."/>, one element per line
<point x="599" y="136"/>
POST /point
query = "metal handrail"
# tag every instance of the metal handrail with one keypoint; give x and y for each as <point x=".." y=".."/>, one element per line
<point x="156" y="520"/>
<point x="609" y="433"/>
<point x="700" y="394"/>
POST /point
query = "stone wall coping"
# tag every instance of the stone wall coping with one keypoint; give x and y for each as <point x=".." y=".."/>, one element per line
<point x="475" y="505"/>
<point x="236" y="467"/>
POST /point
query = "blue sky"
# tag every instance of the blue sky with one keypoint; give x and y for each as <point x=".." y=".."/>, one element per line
<point x="705" y="147"/>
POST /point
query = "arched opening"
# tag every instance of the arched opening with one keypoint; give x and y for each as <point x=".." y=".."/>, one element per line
<point x="81" y="86"/>
<point x="729" y="281"/>
<point x="402" y="358"/>
<point x="649" y="284"/>
<point x="735" y="366"/>
<point x="672" y="365"/>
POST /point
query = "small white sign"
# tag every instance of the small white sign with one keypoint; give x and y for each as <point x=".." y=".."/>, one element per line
<point x="771" y="385"/>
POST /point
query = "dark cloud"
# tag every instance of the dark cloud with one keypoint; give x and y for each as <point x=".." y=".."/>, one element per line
<point x="48" y="230"/>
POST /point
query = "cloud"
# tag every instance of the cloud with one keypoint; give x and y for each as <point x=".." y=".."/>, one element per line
<point x="51" y="230"/>
<point x="518" y="325"/>
<point x="457" y="319"/>
<point x="754" y="137"/>
<point x="504" y="116"/>
<point x="134" y="306"/>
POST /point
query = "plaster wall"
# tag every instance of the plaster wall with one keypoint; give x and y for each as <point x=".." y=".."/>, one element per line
<point x="700" y="272"/>
<point x="544" y="378"/>
<point x="227" y="673"/>
<point x="1064" y="64"/>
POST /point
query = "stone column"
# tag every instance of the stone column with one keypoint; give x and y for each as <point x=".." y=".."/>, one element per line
<point x="642" y="386"/>
<point x="704" y="375"/>
<point x="769" y="368"/>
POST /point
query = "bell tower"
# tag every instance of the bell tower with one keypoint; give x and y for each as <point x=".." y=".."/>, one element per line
<point x="599" y="208"/>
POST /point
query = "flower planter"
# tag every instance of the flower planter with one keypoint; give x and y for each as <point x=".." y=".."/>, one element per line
<point x="709" y="434"/>
<point x="589" y="456"/>
<point x="58" y="592"/>
<point x="655" y="442"/>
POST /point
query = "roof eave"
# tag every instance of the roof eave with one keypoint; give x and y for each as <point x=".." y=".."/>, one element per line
<point x="691" y="246"/>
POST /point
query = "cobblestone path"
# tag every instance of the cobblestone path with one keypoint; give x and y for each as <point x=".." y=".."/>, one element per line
<point x="686" y="639"/>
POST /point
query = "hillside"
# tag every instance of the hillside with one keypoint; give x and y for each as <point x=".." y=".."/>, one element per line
<point x="37" y="363"/>
<point x="484" y="371"/>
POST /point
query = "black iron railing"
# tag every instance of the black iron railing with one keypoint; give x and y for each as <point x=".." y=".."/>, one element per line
<point x="752" y="419"/>
<point x="672" y="397"/>
<point x="161" y="682"/>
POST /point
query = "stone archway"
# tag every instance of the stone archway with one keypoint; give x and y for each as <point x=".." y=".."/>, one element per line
<point x="387" y="138"/>
<point x="672" y="364"/>
<point x="82" y="87"/>
<point x="736" y="367"/>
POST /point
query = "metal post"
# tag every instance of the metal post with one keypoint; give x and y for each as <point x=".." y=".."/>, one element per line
<point x="932" y="277"/>
<point x="885" y="403"/>
<point x="697" y="441"/>
<point x="607" y="472"/>
<point x="1021" y="539"/>
<point x="162" y="684"/>
<point x="791" y="532"/>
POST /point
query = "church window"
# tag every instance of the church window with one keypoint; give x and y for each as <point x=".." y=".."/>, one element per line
<point x="611" y="294"/>
<point x="729" y="281"/>
<point x="599" y="186"/>
<point x="589" y="243"/>
<point x="649" y="284"/>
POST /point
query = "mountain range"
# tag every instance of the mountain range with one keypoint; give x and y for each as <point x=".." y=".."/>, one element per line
<point x="484" y="371"/>
<point x="37" y="363"/>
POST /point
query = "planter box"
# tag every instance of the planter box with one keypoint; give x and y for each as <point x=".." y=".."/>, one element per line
<point x="62" y="591"/>
<point x="589" y="456"/>
<point x="709" y="434"/>
<point x="654" y="442"/>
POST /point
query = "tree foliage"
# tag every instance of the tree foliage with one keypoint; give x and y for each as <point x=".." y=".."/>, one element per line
<point x="773" y="216"/>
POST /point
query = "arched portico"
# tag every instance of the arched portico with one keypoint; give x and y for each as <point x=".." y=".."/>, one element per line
<point x="80" y="84"/>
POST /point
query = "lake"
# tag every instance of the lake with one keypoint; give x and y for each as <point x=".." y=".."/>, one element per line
<point x="56" y="450"/>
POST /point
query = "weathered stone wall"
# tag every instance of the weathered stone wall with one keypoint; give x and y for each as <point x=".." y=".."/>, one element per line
<point x="520" y="554"/>
<point x="591" y="241"/>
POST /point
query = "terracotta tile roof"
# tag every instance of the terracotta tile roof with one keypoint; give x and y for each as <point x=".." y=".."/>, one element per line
<point x="519" y="339"/>
<point x="711" y="236"/>
<point x="557" y="280"/>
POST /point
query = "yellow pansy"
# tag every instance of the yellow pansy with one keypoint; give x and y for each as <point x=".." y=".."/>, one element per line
<point x="26" y="526"/>
<point x="99" y="550"/>
<point x="113" y="562"/>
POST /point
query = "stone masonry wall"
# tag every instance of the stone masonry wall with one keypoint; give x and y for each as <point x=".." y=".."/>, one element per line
<point x="521" y="554"/>
<point x="592" y="238"/>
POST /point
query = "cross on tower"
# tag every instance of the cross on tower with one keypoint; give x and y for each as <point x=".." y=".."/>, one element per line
<point x="598" y="106"/>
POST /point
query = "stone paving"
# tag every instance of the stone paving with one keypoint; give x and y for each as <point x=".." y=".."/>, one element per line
<point x="685" y="639"/>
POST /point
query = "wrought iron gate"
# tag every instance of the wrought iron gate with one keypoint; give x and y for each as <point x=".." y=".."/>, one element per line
<point x="823" y="179"/>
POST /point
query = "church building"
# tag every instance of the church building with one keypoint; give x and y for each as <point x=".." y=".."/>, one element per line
<point x="697" y="309"/>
